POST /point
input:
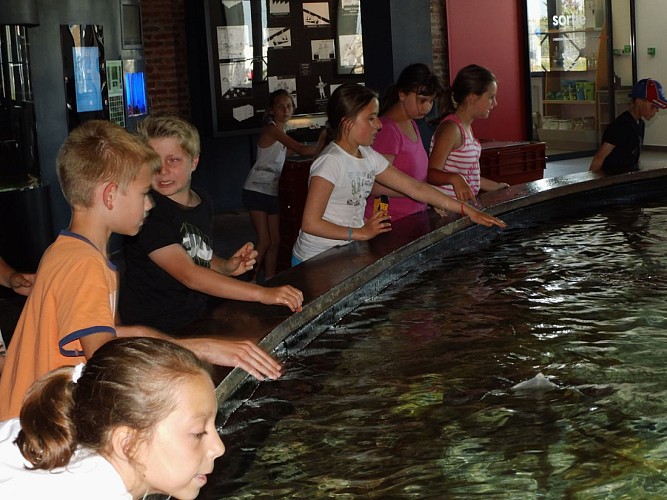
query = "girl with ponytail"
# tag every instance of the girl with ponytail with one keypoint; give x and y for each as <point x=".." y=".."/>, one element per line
<point x="137" y="419"/>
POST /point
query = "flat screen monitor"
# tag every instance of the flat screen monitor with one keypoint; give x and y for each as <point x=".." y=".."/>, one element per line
<point x="84" y="71"/>
<point x="87" y="82"/>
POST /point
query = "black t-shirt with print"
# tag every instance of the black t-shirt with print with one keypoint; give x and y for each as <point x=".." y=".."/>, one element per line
<point x="148" y="294"/>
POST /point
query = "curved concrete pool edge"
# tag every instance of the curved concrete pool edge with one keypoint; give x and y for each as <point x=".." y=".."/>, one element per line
<point x="334" y="282"/>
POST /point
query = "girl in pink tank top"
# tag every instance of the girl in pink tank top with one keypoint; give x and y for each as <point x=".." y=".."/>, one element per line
<point x="399" y="139"/>
<point x="454" y="152"/>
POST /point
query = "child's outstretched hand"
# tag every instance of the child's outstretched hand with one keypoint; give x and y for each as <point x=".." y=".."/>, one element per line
<point x="242" y="354"/>
<point x="479" y="217"/>
<point x="242" y="261"/>
<point x="285" y="295"/>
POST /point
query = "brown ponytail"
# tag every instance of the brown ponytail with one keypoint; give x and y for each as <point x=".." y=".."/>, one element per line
<point x="473" y="79"/>
<point x="48" y="434"/>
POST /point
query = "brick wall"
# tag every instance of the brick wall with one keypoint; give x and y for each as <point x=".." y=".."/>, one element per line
<point x="439" y="36"/>
<point x="165" y="52"/>
<point x="166" y="61"/>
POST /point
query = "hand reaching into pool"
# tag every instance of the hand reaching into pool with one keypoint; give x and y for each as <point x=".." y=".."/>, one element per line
<point x="242" y="354"/>
<point x="479" y="217"/>
<point x="285" y="295"/>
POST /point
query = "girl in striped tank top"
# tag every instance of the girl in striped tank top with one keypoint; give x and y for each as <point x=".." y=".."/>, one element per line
<point x="454" y="152"/>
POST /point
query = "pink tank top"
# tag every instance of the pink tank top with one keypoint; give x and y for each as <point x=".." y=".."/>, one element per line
<point x="464" y="160"/>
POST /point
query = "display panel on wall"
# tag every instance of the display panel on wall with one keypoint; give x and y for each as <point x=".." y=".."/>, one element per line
<point x="258" y="46"/>
<point x="84" y="72"/>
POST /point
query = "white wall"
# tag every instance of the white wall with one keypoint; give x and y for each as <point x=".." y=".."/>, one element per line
<point x="651" y="33"/>
<point x="621" y="35"/>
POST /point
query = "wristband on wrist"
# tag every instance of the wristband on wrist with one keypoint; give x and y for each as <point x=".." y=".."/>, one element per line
<point x="463" y="214"/>
<point x="349" y="233"/>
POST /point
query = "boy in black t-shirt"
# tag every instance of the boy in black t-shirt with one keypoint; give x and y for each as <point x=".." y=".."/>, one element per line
<point x="622" y="140"/>
<point x="170" y="264"/>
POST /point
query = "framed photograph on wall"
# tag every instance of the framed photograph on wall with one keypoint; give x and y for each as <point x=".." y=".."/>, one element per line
<point x="350" y="58"/>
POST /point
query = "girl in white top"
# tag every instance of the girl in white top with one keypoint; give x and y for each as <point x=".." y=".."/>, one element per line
<point x="342" y="176"/>
<point x="260" y="190"/>
<point x="453" y="163"/>
<point x="137" y="419"/>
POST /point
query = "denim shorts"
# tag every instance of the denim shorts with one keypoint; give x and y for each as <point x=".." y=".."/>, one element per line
<point x="260" y="202"/>
<point x="295" y="261"/>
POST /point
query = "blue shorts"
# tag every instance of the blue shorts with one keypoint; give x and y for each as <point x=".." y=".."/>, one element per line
<point x="295" y="261"/>
<point x="260" y="202"/>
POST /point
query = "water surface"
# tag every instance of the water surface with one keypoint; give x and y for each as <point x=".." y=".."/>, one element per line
<point x="410" y="395"/>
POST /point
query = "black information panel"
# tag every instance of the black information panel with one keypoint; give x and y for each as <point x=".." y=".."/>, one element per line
<point x="258" y="46"/>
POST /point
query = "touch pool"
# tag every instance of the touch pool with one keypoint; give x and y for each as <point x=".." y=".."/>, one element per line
<point x="411" y="394"/>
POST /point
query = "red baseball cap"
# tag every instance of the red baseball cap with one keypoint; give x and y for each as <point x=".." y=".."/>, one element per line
<point x="651" y="90"/>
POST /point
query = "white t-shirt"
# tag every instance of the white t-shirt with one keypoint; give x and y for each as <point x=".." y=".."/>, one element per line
<point x="87" y="476"/>
<point x="353" y="179"/>
<point x="265" y="173"/>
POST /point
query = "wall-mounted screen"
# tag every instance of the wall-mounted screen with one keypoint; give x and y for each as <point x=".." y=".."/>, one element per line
<point x="84" y="73"/>
<point x="87" y="84"/>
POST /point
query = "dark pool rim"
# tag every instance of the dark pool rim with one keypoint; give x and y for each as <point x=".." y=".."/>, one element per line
<point x="353" y="272"/>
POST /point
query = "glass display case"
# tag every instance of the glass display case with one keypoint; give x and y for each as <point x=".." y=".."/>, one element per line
<point x="568" y="58"/>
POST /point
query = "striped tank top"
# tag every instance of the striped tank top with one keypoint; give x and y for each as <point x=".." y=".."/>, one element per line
<point x="464" y="160"/>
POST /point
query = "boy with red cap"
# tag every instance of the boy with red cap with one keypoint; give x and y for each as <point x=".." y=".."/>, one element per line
<point x="622" y="140"/>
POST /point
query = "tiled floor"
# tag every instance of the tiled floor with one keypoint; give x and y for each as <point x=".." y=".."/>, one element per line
<point x="565" y="167"/>
<point x="572" y="166"/>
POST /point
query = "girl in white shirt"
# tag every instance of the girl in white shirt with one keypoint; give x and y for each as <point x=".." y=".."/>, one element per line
<point x="137" y="419"/>
<point x="342" y="176"/>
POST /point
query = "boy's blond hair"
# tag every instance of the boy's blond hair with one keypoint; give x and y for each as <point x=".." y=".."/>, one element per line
<point x="99" y="151"/>
<point x="165" y="126"/>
